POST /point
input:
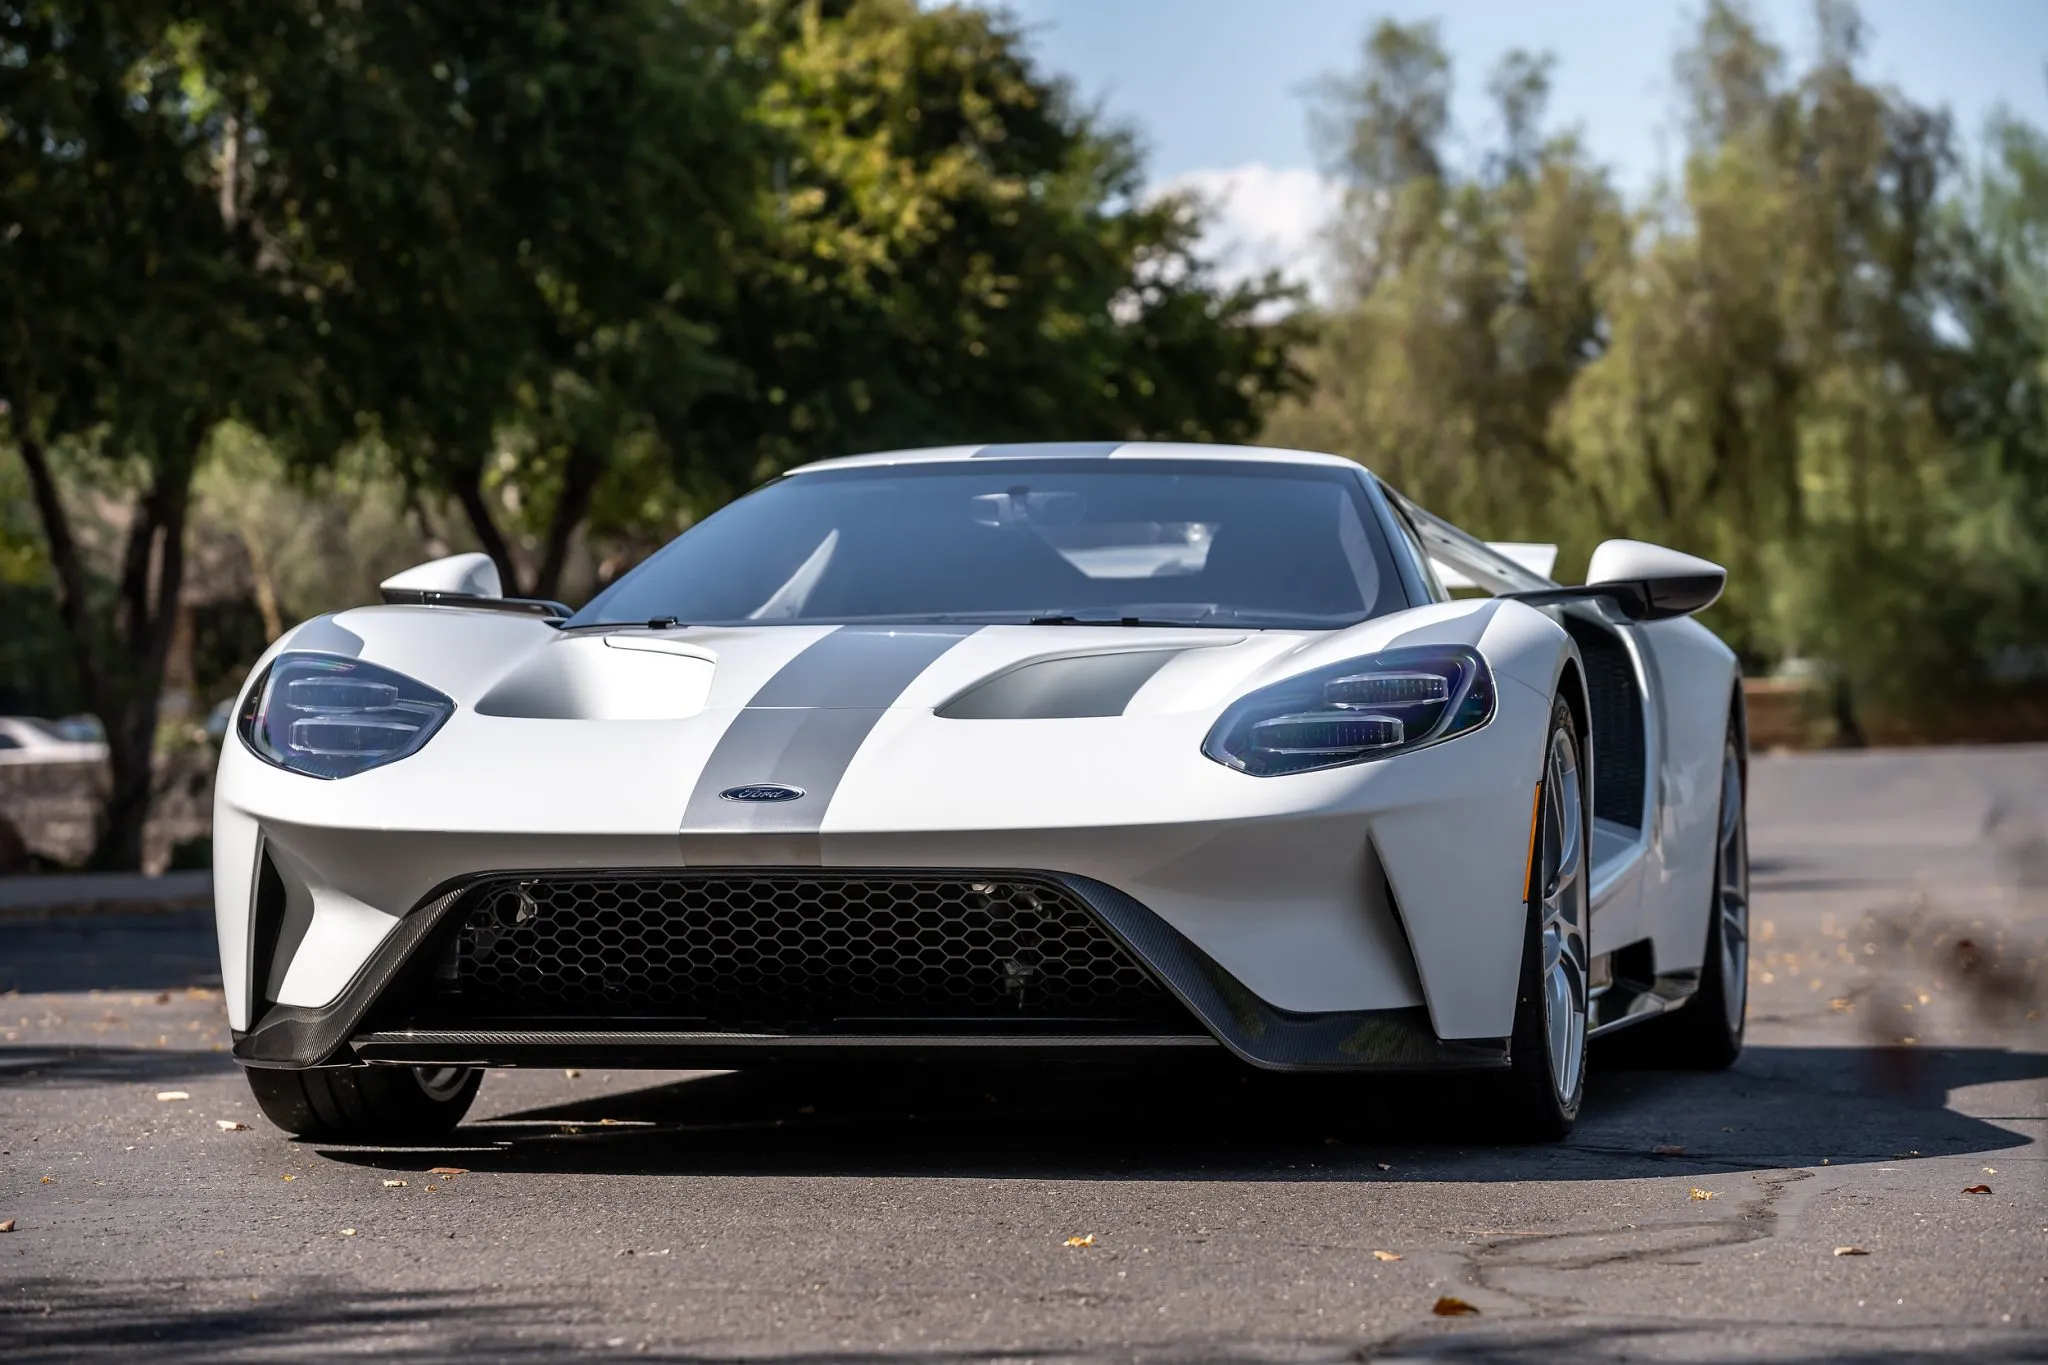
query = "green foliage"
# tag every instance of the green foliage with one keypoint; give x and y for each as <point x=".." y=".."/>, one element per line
<point x="1818" y="358"/>
<point x="953" y="252"/>
<point x="579" y="273"/>
<point x="133" y="289"/>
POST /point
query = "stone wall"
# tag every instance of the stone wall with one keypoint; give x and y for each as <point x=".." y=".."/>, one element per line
<point x="52" y="807"/>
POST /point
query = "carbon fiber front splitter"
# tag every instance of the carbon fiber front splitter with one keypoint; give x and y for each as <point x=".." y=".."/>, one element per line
<point x="1398" y="1040"/>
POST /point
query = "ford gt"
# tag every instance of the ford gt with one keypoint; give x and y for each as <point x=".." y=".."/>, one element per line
<point x="1030" y="751"/>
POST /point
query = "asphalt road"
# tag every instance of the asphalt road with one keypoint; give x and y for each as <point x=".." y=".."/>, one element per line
<point x="917" y="1216"/>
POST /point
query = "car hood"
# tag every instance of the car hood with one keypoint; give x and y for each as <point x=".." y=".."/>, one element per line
<point x="515" y="667"/>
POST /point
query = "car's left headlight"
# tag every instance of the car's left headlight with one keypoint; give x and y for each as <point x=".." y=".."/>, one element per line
<point x="328" y="716"/>
<point x="1372" y="707"/>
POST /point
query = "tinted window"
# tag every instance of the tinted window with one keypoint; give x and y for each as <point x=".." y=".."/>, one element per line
<point x="8" y="741"/>
<point x="1197" y="542"/>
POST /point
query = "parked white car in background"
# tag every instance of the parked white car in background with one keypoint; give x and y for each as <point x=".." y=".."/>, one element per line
<point x="25" y="740"/>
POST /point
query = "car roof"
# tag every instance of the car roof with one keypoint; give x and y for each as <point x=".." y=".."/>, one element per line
<point x="1067" y="450"/>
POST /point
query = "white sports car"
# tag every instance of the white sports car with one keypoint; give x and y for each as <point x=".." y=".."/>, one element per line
<point x="1041" y="750"/>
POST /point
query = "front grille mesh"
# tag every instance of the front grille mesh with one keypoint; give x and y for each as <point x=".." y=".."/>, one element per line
<point x="780" y="949"/>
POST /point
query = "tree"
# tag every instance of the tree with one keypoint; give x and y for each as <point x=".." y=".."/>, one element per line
<point x="1816" y="357"/>
<point x="950" y="251"/>
<point x="138" y="315"/>
<point x="1468" y="300"/>
<point x="516" y="214"/>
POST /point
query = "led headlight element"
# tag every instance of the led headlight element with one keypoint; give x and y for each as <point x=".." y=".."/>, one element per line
<point x="328" y="716"/>
<point x="1386" y="703"/>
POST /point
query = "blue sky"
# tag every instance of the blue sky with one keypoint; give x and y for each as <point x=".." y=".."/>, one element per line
<point x="1215" y="87"/>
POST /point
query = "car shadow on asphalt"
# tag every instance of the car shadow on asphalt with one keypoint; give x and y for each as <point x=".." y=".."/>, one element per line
<point x="62" y="1065"/>
<point x="58" y="1319"/>
<point x="1778" y="1107"/>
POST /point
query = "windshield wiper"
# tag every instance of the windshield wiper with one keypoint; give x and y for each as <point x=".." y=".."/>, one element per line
<point x="652" y="623"/>
<point x="1105" y="621"/>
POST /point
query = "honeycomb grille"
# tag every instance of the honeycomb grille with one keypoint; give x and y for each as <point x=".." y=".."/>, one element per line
<point x="777" y="950"/>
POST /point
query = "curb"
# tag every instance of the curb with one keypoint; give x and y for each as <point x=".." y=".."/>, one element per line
<point x="68" y="895"/>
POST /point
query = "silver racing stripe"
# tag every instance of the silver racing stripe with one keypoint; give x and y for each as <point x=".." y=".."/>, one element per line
<point x="802" y="729"/>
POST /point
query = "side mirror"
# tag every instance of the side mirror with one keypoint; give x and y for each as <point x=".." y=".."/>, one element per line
<point x="1651" y="583"/>
<point x="470" y="575"/>
<point x="469" y="580"/>
<point x="1645" y="582"/>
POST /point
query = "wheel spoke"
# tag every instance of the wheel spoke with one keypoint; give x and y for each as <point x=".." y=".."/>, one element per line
<point x="1734" y="924"/>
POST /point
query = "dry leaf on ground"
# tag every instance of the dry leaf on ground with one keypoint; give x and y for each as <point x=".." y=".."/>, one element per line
<point x="1448" y="1307"/>
<point x="1976" y="1189"/>
<point x="1386" y="1255"/>
<point x="1850" y="1251"/>
<point x="1385" y="1166"/>
<point x="449" y="1170"/>
<point x="1087" y="1241"/>
<point x="230" y="1126"/>
<point x="348" y="1232"/>
<point x="1667" y="1149"/>
<point x="1698" y="1193"/>
<point x="291" y="1177"/>
<point x="6" y="1225"/>
<point x="172" y="1095"/>
<point x="394" y="1184"/>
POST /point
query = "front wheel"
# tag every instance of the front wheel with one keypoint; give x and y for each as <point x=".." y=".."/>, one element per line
<point x="1548" y="1047"/>
<point x="366" y="1103"/>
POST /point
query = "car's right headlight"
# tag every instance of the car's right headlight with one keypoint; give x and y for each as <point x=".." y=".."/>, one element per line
<point x="328" y="716"/>
<point x="1373" y="707"/>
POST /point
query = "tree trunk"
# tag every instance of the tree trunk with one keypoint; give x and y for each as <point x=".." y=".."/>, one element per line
<point x="153" y="572"/>
<point x="123" y="684"/>
<point x="469" y="492"/>
<point x="1842" y="707"/>
<point x="579" y="483"/>
<point x="259" y="575"/>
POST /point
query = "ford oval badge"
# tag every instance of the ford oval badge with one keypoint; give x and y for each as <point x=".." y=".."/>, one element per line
<point x="761" y="791"/>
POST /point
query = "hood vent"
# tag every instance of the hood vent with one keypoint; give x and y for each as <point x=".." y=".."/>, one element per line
<point x="1061" y="689"/>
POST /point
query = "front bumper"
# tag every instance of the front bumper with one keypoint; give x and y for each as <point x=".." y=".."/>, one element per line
<point x="379" y="1016"/>
<point x="1392" y="886"/>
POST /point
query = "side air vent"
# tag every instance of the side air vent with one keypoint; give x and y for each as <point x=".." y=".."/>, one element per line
<point x="1620" y="762"/>
<point x="267" y="926"/>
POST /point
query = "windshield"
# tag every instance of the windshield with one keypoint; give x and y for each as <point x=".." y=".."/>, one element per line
<point x="1196" y="542"/>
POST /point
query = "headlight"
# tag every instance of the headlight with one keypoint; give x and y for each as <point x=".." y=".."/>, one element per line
<point x="326" y="716"/>
<point x="1385" y="703"/>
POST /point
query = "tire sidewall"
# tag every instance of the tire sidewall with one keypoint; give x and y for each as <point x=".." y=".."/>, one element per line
<point x="1543" y="1113"/>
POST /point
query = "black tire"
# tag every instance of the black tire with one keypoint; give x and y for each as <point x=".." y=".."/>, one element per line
<point x="1705" y="1033"/>
<point x="391" y="1104"/>
<point x="1541" y="1095"/>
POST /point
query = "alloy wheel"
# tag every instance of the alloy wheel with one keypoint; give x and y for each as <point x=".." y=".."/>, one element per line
<point x="1562" y="879"/>
<point x="1731" y="900"/>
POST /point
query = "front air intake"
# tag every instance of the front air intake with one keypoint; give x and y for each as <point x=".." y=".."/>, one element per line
<point x="748" y="948"/>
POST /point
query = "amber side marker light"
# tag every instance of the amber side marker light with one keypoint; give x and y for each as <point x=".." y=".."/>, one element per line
<point x="1529" y="863"/>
